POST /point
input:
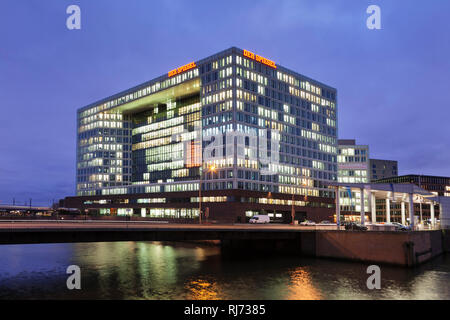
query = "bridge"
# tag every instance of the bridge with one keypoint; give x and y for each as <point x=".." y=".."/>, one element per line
<point x="405" y="248"/>
<point x="24" y="208"/>
<point x="28" y="232"/>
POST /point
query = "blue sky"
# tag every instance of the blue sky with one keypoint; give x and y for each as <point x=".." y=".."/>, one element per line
<point x="393" y="84"/>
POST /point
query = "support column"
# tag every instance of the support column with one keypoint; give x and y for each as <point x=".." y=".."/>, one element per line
<point x="373" y="207"/>
<point x="388" y="210"/>
<point x="403" y="214"/>
<point x="411" y="211"/>
<point x="363" y="212"/>
<point x="421" y="212"/>
<point x="432" y="214"/>
<point x="338" y="208"/>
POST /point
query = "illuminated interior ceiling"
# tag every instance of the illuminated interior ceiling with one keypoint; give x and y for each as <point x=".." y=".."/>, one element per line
<point x="184" y="89"/>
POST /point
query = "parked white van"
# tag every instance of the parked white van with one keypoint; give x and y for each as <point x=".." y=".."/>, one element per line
<point x="259" y="218"/>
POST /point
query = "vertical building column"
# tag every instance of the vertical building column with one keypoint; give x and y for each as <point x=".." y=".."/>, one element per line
<point x="411" y="211"/>
<point x="388" y="210"/>
<point x="338" y="208"/>
<point x="420" y="211"/>
<point x="403" y="214"/>
<point x="363" y="213"/>
<point x="432" y="213"/>
<point x="373" y="207"/>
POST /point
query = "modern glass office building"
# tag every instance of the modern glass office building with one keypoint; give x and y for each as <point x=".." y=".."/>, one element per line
<point x="353" y="162"/>
<point x="236" y="123"/>
<point x="382" y="169"/>
<point x="353" y="167"/>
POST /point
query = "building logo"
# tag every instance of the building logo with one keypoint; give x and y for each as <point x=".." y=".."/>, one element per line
<point x="257" y="58"/>
<point x="353" y="165"/>
<point x="184" y="68"/>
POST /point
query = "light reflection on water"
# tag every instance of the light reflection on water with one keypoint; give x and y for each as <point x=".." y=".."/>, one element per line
<point x="301" y="286"/>
<point x="145" y="270"/>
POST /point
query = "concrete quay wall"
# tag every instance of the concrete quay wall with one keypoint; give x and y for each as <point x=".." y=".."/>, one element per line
<point x="396" y="248"/>
<point x="406" y="249"/>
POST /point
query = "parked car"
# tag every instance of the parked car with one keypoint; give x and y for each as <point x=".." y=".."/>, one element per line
<point x="401" y="227"/>
<point x="308" y="223"/>
<point x="355" y="226"/>
<point x="260" y="219"/>
<point x="326" y="222"/>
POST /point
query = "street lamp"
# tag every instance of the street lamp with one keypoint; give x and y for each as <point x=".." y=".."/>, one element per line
<point x="270" y="201"/>
<point x="292" y="211"/>
<point x="211" y="168"/>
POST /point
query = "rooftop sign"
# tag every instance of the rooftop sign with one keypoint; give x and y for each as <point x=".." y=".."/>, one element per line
<point x="184" y="68"/>
<point x="257" y="58"/>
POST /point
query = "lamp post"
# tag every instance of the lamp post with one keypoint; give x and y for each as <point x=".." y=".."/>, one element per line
<point x="211" y="168"/>
<point x="292" y="211"/>
<point x="420" y="210"/>
<point x="270" y="202"/>
<point x="338" y="208"/>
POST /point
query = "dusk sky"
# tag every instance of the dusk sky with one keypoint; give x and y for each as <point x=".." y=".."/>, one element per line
<point x="393" y="84"/>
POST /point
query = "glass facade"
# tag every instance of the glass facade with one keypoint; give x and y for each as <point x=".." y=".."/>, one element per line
<point x="353" y="164"/>
<point x="381" y="169"/>
<point x="353" y="167"/>
<point x="162" y="136"/>
<point x="262" y="127"/>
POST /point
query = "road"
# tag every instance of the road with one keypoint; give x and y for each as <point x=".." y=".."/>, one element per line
<point x="144" y="225"/>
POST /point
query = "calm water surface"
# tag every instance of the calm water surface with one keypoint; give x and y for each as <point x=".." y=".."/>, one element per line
<point x="156" y="270"/>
